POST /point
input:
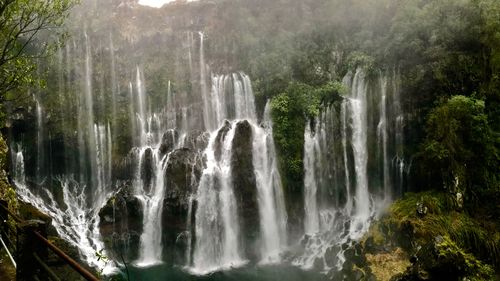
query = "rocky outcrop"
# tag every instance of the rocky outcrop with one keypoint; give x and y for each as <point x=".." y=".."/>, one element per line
<point x="196" y="140"/>
<point x="355" y="266"/>
<point x="168" y="141"/>
<point x="182" y="174"/>
<point x="245" y="189"/>
<point x="121" y="223"/>
<point x="147" y="169"/>
<point x="219" y="139"/>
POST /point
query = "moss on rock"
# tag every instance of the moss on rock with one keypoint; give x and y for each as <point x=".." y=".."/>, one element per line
<point x="442" y="242"/>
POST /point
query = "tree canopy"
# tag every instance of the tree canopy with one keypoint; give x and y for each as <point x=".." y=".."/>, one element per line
<point x="21" y="24"/>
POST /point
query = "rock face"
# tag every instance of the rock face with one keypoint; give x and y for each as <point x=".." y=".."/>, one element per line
<point x="147" y="169"/>
<point x="182" y="174"/>
<point x="245" y="189"/>
<point x="196" y="140"/>
<point x="219" y="139"/>
<point x="168" y="141"/>
<point x="121" y="223"/>
<point x="355" y="267"/>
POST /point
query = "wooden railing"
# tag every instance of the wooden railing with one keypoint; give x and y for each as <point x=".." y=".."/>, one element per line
<point x="27" y="247"/>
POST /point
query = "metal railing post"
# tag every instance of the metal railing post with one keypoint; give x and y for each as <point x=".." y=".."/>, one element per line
<point x="27" y="265"/>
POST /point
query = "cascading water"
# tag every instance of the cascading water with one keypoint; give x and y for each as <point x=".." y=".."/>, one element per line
<point x="311" y="153"/>
<point x="149" y="182"/>
<point x="342" y="189"/>
<point x="217" y="222"/>
<point x="217" y="227"/>
<point x="72" y="219"/>
<point x="358" y="109"/>
<point x="151" y="250"/>
<point x="270" y="191"/>
<point x="83" y="188"/>
<point x="338" y="209"/>
<point x="40" y="151"/>
<point x="382" y="136"/>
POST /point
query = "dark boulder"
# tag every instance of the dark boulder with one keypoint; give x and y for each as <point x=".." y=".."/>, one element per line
<point x="121" y="223"/>
<point x="219" y="139"/>
<point x="124" y="168"/>
<point x="181" y="177"/>
<point x="196" y="140"/>
<point x="245" y="190"/>
<point x="147" y="170"/>
<point x="168" y="141"/>
<point x="331" y="258"/>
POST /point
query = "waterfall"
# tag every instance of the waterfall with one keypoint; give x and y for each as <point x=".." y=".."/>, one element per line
<point x="311" y="151"/>
<point x="382" y="135"/>
<point x="70" y="219"/>
<point x="89" y="114"/>
<point x="132" y="118"/>
<point x="347" y="176"/>
<point x="270" y="191"/>
<point x="151" y="249"/>
<point x="40" y="152"/>
<point x="114" y="84"/>
<point x="217" y="224"/>
<point x="149" y="180"/>
<point x="347" y="182"/>
<point x="19" y="175"/>
<point x="399" y="124"/>
<point x="103" y="161"/>
<point x="82" y="187"/>
<point x="142" y="117"/>
<point x="207" y="109"/>
<point x="358" y="109"/>
<point x="217" y="227"/>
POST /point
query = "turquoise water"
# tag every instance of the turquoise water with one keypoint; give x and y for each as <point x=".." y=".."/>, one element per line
<point x="248" y="273"/>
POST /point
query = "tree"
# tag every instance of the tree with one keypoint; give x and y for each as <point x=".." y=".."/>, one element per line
<point x="21" y="24"/>
<point x="460" y="146"/>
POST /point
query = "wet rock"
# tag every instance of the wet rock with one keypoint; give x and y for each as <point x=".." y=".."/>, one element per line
<point x="121" y="223"/>
<point x="359" y="258"/>
<point x="331" y="258"/>
<point x="181" y="177"/>
<point x="124" y="168"/>
<point x="459" y="198"/>
<point x="219" y="139"/>
<point x="168" y="141"/>
<point x="147" y="170"/>
<point x="245" y="191"/>
<point x="318" y="264"/>
<point x="196" y="140"/>
<point x="421" y="209"/>
<point x="357" y="275"/>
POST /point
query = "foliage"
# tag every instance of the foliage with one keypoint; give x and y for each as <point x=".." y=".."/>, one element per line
<point x="21" y="22"/>
<point x="461" y="262"/>
<point x="7" y="192"/>
<point x="290" y="112"/>
<point x="385" y="265"/>
<point x="460" y="145"/>
<point x="476" y="234"/>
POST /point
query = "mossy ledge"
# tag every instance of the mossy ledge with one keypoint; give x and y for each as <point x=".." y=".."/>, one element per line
<point x="428" y="236"/>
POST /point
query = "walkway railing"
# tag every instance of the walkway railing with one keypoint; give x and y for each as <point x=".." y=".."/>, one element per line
<point x="27" y="246"/>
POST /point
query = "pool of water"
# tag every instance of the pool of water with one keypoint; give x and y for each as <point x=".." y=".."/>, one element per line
<point x="248" y="273"/>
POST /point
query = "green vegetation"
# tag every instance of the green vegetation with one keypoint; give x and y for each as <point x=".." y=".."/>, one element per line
<point x="460" y="146"/>
<point x="458" y="262"/>
<point x="21" y="22"/>
<point x="446" y="240"/>
<point x="290" y="111"/>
